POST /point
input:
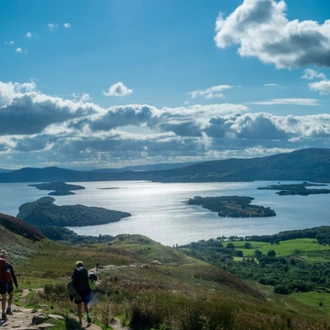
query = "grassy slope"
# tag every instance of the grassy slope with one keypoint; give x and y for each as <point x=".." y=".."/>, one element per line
<point x="142" y="267"/>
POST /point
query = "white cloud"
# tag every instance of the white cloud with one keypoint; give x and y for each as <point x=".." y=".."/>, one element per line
<point x="118" y="89"/>
<point x="311" y="74"/>
<point x="295" y="101"/>
<point x="51" y="26"/>
<point x="271" y="85"/>
<point x="36" y="128"/>
<point x="20" y="50"/>
<point x="84" y="97"/>
<point x="210" y="93"/>
<point x="261" y="29"/>
<point x="323" y="87"/>
<point x="67" y="25"/>
<point x="24" y="110"/>
<point x="29" y="35"/>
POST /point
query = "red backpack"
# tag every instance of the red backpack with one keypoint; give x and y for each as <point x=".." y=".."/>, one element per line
<point x="3" y="270"/>
<point x="5" y="274"/>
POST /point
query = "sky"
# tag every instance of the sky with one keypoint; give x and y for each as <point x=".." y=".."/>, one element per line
<point x="113" y="83"/>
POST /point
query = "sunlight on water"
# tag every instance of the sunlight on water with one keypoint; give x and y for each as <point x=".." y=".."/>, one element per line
<point x="160" y="211"/>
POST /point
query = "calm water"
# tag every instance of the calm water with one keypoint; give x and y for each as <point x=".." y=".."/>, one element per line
<point x="160" y="211"/>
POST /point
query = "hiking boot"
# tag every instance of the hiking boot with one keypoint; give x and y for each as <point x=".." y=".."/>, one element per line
<point x="89" y="320"/>
<point x="4" y="316"/>
<point x="8" y="311"/>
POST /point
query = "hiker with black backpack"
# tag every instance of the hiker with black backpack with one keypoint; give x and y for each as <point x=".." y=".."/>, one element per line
<point x="83" y="296"/>
<point x="7" y="281"/>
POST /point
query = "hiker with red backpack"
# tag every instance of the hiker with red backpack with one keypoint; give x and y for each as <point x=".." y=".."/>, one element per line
<point x="7" y="281"/>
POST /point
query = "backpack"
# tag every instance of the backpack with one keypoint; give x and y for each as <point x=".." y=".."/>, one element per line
<point x="74" y="295"/>
<point x="3" y="270"/>
<point x="92" y="278"/>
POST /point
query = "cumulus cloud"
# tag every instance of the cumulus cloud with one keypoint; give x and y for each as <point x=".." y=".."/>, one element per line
<point x="84" y="97"/>
<point x="210" y="93"/>
<point x="311" y="74"/>
<point x="258" y="126"/>
<point x="323" y="87"/>
<point x="29" y="35"/>
<point x="118" y="89"/>
<point x="67" y="25"/>
<point x="79" y="133"/>
<point x="296" y="101"/>
<point x="24" y="110"/>
<point x="261" y="29"/>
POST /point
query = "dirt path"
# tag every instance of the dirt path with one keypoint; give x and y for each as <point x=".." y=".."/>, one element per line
<point x="22" y="319"/>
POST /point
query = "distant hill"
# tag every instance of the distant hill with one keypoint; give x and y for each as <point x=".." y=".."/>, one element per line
<point x="11" y="226"/>
<point x="138" y="168"/>
<point x="2" y="170"/>
<point x="305" y="164"/>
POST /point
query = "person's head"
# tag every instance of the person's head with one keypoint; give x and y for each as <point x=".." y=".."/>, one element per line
<point x="3" y="254"/>
<point x="79" y="264"/>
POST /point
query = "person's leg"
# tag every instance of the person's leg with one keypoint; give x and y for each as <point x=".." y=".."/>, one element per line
<point x="3" y="305"/>
<point x="80" y="312"/>
<point x="10" y="299"/>
<point x="89" y="320"/>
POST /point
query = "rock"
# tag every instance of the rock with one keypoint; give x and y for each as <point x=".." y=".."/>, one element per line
<point x="45" y="325"/>
<point x="55" y="317"/>
<point x="38" y="319"/>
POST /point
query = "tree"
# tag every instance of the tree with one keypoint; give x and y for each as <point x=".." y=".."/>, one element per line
<point x="239" y="253"/>
<point x="271" y="253"/>
<point x="257" y="254"/>
<point x="230" y="246"/>
<point x="248" y="245"/>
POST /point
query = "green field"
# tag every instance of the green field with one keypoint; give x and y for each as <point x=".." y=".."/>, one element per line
<point x="306" y="248"/>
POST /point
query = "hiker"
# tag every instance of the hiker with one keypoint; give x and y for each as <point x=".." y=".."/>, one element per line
<point x="8" y="279"/>
<point x="80" y="283"/>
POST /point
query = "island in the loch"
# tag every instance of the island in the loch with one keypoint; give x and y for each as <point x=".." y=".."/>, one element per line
<point x="58" y="188"/>
<point x="297" y="189"/>
<point x="44" y="212"/>
<point x="232" y="206"/>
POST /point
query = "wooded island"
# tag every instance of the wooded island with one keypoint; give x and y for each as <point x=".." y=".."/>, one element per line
<point x="232" y="206"/>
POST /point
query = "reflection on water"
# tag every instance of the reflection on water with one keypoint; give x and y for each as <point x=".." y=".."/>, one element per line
<point x="160" y="211"/>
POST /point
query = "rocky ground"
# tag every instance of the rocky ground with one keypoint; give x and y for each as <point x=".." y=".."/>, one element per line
<point x="27" y="319"/>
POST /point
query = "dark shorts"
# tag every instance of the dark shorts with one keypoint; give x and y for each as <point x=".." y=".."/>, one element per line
<point x="3" y="287"/>
<point x="85" y="298"/>
<point x="10" y="288"/>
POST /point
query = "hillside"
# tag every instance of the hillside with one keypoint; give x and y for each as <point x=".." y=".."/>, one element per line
<point x="147" y="285"/>
<point x="303" y="165"/>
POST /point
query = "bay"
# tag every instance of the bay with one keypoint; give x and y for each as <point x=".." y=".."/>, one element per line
<point x="160" y="210"/>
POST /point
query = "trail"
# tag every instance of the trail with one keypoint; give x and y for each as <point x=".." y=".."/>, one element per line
<point x="22" y="319"/>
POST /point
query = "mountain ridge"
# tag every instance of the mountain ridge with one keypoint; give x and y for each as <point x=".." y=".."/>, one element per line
<point x="302" y="165"/>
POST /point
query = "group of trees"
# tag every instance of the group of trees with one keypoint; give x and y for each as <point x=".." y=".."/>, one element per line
<point x="321" y="234"/>
<point x="68" y="236"/>
<point x="285" y="274"/>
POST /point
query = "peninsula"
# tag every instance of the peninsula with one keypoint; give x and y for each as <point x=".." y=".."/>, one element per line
<point x="44" y="213"/>
<point x="232" y="206"/>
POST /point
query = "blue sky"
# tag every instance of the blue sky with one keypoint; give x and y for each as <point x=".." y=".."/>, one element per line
<point x="93" y="84"/>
